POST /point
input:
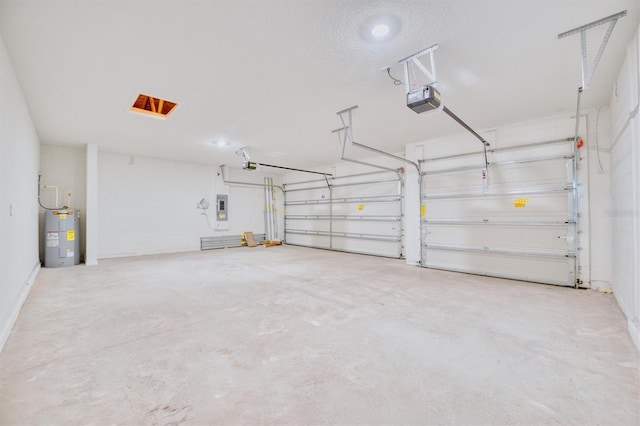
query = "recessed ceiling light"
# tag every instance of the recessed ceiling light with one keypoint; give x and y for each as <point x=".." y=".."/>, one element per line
<point x="380" y="30"/>
<point x="220" y="143"/>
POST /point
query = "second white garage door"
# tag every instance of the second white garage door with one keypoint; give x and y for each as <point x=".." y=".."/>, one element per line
<point x="523" y="227"/>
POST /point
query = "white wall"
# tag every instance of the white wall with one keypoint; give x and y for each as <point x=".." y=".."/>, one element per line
<point x="65" y="168"/>
<point x="148" y="205"/>
<point x="19" y="158"/>
<point x="597" y="196"/>
<point x="91" y="216"/>
<point x="625" y="189"/>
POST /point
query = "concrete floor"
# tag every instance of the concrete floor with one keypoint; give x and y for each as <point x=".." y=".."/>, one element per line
<point x="289" y="335"/>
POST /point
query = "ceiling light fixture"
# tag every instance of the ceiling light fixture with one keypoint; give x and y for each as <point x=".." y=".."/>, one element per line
<point x="380" y="30"/>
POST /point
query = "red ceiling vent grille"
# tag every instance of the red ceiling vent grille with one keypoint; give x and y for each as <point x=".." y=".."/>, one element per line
<point x="156" y="107"/>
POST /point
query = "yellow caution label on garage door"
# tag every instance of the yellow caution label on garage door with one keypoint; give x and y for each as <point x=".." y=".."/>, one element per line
<point x="423" y="210"/>
<point x="521" y="203"/>
<point x="71" y="235"/>
<point x="360" y="207"/>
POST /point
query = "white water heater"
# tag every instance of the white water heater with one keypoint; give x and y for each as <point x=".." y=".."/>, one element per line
<point x="62" y="238"/>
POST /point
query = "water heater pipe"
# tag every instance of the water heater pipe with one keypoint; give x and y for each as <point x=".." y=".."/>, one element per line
<point x="54" y="188"/>
<point x="49" y="187"/>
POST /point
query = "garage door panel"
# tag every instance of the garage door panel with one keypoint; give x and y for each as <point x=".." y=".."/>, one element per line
<point x="511" y="177"/>
<point x="306" y="224"/>
<point x="366" y="209"/>
<point x="475" y="160"/>
<point x="316" y="209"/>
<point x="497" y="208"/>
<point x="540" y="151"/>
<point x="529" y="176"/>
<point x="360" y="214"/>
<point x="368" y="190"/>
<point x="318" y="194"/>
<point x="549" y="239"/>
<point x="387" y="249"/>
<point x="542" y="270"/>
<point x="370" y="227"/>
<point x="308" y="240"/>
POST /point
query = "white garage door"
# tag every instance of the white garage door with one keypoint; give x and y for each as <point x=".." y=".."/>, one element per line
<point x="357" y="214"/>
<point x="523" y="227"/>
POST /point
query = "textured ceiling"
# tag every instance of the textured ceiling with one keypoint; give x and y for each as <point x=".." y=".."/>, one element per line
<point x="272" y="74"/>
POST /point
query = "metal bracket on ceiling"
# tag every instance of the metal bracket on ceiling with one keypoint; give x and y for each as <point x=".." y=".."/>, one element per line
<point x="345" y="135"/>
<point x="432" y="79"/>
<point x="588" y="70"/>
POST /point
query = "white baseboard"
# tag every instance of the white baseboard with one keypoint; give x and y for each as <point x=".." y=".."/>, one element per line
<point x="634" y="331"/>
<point x="10" y="319"/>
<point x="147" y="253"/>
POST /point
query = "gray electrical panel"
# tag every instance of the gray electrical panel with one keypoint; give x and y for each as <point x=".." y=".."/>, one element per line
<point x="222" y="207"/>
<point x="62" y="238"/>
